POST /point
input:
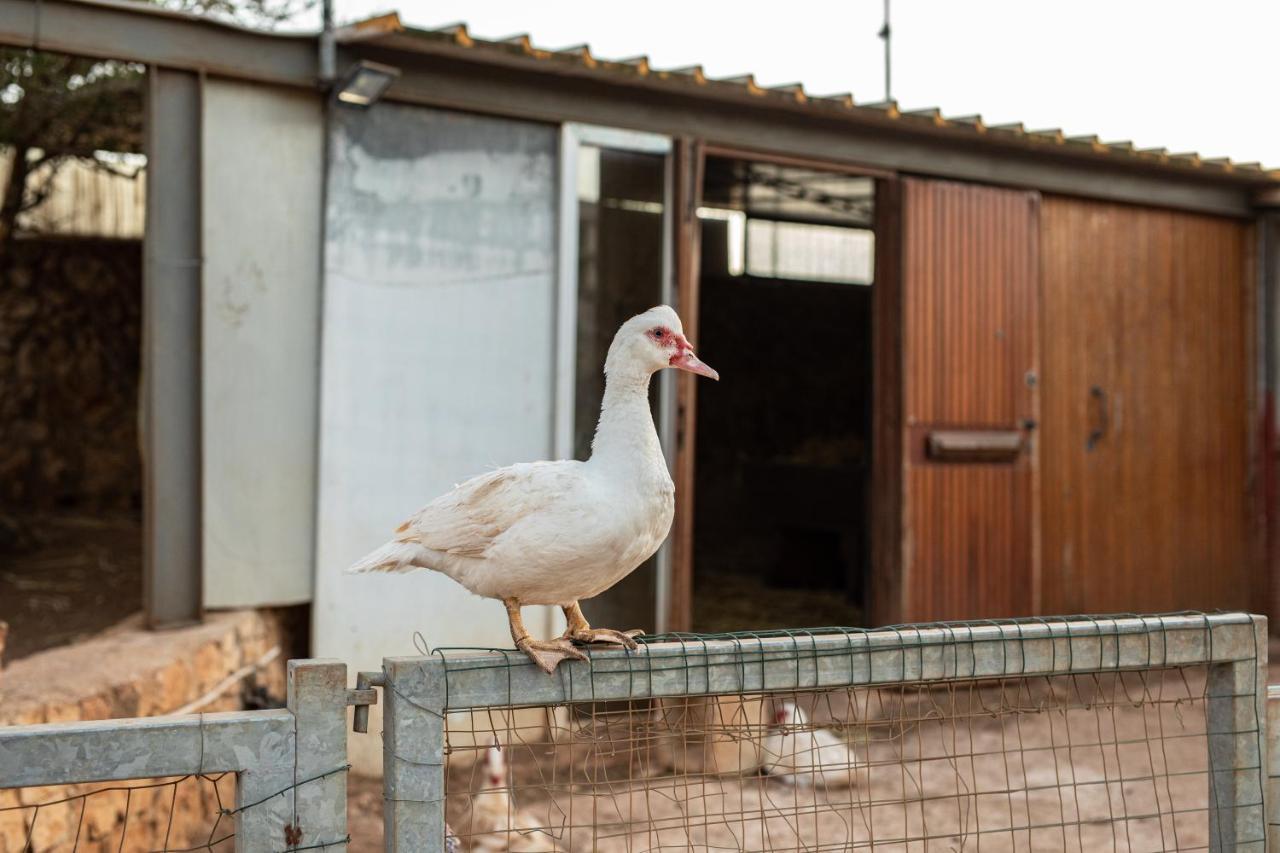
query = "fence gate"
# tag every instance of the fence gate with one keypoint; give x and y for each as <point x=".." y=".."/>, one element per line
<point x="1134" y="733"/>
<point x="1118" y="733"/>
<point x="289" y="767"/>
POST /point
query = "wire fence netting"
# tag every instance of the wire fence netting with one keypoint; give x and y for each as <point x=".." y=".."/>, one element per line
<point x="178" y="814"/>
<point x="1080" y="761"/>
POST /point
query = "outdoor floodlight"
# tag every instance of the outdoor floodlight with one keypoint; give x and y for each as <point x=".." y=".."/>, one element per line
<point x="365" y="83"/>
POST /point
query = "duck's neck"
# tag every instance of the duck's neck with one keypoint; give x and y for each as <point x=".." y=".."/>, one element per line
<point x="625" y="431"/>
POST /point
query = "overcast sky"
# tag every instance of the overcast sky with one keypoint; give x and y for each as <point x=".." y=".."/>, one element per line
<point x="1181" y="74"/>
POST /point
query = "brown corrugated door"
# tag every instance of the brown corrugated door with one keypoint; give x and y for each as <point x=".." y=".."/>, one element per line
<point x="1148" y="499"/>
<point x="970" y="357"/>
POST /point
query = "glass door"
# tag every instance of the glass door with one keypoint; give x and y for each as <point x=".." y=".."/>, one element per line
<point x="615" y="262"/>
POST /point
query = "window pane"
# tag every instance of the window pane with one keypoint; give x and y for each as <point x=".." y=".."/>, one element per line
<point x="810" y="252"/>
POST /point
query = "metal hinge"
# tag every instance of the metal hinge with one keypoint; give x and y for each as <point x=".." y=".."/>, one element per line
<point x="362" y="697"/>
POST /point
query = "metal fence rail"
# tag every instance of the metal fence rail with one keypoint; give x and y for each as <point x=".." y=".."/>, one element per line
<point x="290" y="764"/>
<point x="1124" y="663"/>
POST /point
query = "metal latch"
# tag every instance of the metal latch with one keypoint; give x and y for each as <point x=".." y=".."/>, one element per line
<point x="362" y="697"/>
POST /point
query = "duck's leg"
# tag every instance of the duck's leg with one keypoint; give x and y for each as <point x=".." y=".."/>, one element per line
<point x="546" y="654"/>
<point x="580" y="631"/>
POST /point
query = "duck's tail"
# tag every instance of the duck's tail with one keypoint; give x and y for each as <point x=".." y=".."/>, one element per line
<point x="392" y="557"/>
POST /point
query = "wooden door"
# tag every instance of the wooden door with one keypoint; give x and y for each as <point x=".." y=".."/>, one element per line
<point x="965" y="544"/>
<point x="1148" y="500"/>
<point x="687" y="169"/>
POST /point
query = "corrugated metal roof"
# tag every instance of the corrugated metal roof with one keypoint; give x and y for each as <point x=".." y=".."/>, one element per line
<point x="388" y="30"/>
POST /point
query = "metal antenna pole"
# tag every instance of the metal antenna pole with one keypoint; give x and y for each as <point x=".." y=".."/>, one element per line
<point x="884" y="34"/>
<point x="327" y="60"/>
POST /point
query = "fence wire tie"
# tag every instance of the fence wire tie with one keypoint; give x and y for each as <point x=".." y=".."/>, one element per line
<point x="319" y="845"/>
<point x="343" y="769"/>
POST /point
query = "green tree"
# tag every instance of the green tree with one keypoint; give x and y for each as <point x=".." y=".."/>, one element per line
<point x="55" y="108"/>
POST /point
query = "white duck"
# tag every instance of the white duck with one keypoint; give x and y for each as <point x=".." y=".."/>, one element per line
<point x="496" y="824"/>
<point x="799" y="754"/>
<point x="558" y="532"/>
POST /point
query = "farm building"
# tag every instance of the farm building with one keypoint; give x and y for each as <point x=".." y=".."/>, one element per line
<point x="969" y="371"/>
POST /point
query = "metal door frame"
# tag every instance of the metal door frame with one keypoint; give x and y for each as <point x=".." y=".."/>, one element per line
<point x="572" y="137"/>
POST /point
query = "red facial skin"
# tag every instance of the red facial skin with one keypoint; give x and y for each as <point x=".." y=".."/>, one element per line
<point x="682" y="352"/>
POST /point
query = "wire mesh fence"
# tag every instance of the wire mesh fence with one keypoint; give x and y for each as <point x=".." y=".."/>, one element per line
<point x="271" y="780"/>
<point x="1110" y="761"/>
<point x="1133" y="734"/>
<point x="181" y="813"/>
<point x="1125" y="733"/>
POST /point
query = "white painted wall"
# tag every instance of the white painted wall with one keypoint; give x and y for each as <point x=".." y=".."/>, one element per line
<point x="438" y="355"/>
<point x="263" y="162"/>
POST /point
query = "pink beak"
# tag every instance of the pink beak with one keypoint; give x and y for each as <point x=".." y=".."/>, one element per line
<point x="686" y="360"/>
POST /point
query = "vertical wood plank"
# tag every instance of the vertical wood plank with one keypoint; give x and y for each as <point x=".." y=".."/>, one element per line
<point x="887" y="472"/>
<point x="688" y="168"/>
<point x="970" y="307"/>
<point x="1155" y="309"/>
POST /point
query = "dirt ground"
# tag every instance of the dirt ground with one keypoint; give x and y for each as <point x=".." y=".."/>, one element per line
<point x="67" y="576"/>
<point x="364" y="814"/>
<point x="741" y="600"/>
<point x="1073" y="765"/>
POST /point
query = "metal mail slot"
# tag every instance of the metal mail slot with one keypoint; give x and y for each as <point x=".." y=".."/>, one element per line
<point x="955" y="445"/>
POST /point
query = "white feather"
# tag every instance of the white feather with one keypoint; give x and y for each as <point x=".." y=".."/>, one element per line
<point x="799" y="754"/>
<point x="557" y="532"/>
<point x="496" y="824"/>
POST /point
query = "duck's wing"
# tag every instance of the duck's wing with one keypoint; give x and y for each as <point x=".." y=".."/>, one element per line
<point x="468" y="520"/>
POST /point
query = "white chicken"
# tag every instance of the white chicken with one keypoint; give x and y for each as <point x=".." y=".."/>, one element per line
<point x="496" y="824"/>
<point x="558" y="532"/>
<point x="797" y="753"/>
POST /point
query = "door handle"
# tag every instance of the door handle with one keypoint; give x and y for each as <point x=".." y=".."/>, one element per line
<point x="1101" y="417"/>
<point x="974" y="445"/>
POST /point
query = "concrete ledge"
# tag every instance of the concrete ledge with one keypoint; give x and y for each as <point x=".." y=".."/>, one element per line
<point x="132" y="672"/>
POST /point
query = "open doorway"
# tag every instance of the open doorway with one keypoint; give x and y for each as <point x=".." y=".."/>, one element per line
<point x="621" y="184"/>
<point x="72" y="181"/>
<point x="783" y="445"/>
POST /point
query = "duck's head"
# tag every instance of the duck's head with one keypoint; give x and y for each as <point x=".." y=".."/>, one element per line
<point x="495" y="767"/>
<point x="788" y="714"/>
<point x="653" y="341"/>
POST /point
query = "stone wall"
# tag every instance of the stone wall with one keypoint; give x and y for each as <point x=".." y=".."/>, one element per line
<point x="132" y="672"/>
<point x="70" y="343"/>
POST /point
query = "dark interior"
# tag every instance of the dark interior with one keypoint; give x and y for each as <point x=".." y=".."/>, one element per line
<point x="783" y="455"/>
<point x="71" y="263"/>
<point x="620" y="274"/>
<point x="71" y="475"/>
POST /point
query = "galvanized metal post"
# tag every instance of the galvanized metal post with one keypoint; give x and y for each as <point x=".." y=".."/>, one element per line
<point x="171" y="429"/>
<point x="264" y="796"/>
<point x="318" y="700"/>
<point x="295" y="795"/>
<point x="413" y="754"/>
<point x="1236" y="719"/>
<point x="1273" y="768"/>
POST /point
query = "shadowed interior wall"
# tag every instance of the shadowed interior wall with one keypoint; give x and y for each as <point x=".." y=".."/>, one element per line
<point x="1147" y="498"/>
<point x="70" y="321"/>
